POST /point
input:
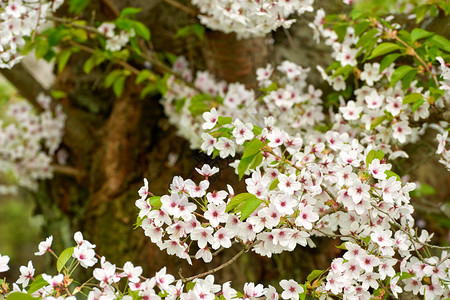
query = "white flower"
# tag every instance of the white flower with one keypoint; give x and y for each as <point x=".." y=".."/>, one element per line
<point x="291" y="289"/>
<point x="210" y="118"/>
<point x="4" y="263"/>
<point x="44" y="246"/>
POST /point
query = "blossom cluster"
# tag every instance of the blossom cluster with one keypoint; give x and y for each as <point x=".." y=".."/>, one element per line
<point x="250" y="18"/>
<point x="28" y="142"/>
<point x="18" y="20"/>
<point x="336" y="188"/>
<point x="294" y="104"/>
<point x="108" y="278"/>
<point x="114" y="42"/>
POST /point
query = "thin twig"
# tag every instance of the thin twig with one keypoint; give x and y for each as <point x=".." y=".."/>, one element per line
<point x="70" y="171"/>
<point x="232" y="260"/>
<point x="37" y="21"/>
<point x="181" y="6"/>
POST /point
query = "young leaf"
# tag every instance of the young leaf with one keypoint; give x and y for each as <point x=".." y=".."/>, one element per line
<point x="377" y="121"/>
<point x="37" y="284"/>
<point x="390" y="173"/>
<point x="419" y="33"/>
<point x="399" y="73"/>
<point x="313" y="275"/>
<point x="388" y="60"/>
<point x="129" y="11"/>
<point x="367" y="37"/>
<point x="254" y="146"/>
<point x="143" y="75"/>
<point x="411" y="98"/>
<point x="20" y="296"/>
<point x="63" y="58"/>
<point x="417" y="104"/>
<point x="77" y="6"/>
<point x="64" y="258"/>
<point x="238" y="199"/>
<point x="244" y="164"/>
<point x="274" y="184"/>
<point x="224" y="120"/>
<point x="118" y="86"/>
<point x="155" y="202"/>
<point x="383" y="48"/>
<point x="249" y="206"/>
<point x="374" y="154"/>
<point x="440" y="41"/>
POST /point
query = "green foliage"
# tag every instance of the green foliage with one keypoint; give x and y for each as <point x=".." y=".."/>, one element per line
<point x="384" y="48"/>
<point x="20" y="296"/>
<point x="373" y="154"/>
<point x="77" y="6"/>
<point x="197" y="30"/>
<point x="64" y="258"/>
<point x="200" y="103"/>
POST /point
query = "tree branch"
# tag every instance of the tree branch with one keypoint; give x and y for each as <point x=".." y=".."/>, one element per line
<point x="25" y="84"/>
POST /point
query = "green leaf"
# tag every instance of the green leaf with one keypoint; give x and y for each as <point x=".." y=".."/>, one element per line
<point x="155" y="202"/>
<point x="77" y="6"/>
<point x="63" y="58"/>
<point x="440" y="41"/>
<point x="189" y="30"/>
<point x="399" y="73"/>
<point x="238" y="199"/>
<point x="374" y="154"/>
<point x="341" y="30"/>
<point x="118" y="86"/>
<point x="143" y="75"/>
<point x="249" y="206"/>
<point x="367" y="37"/>
<point x="37" y="284"/>
<point x="417" y="104"/>
<point x="244" y="163"/>
<point x="141" y="30"/>
<point x="342" y="246"/>
<point x="58" y="94"/>
<point x="257" y="160"/>
<point x="20" y="296"/>
<point x="408" y="78"/>
<point x="388" y="60"/>
<point x="419" y="33"/>
<point x="383" y="48"/>
<point x="405" y="275"/>
<point x="313" y="275"/>
<point x="179" y="104"/>
<point x="361" y="27"/>
<point x="252" y="147"/>
<point x="377" y="121"/>
<point x="89" y="64"/>
<point x="256" y="130"/>
<point x="224" y="120"/>
<point x="424" y="189"/>
<point x="129" y="11"/>
<point x="112" y="77"/>
<point x="412" y="98"/>
<point x="150" y="89"/>
<point x="64" y="258"/>
<point x="274" y="184"/>
<point x="390" y="173"/>
<point x="189" y="286"/>
<point x="199" y="104"/>
<point x="42" y="47"/>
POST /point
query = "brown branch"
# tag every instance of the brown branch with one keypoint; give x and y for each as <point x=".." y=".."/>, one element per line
<point x="70" y="171"/>
<point x="181" y="6"/>
<point x="226" y="264"/>
<point x="25" y="84"/>
<point x="113" y="8"/>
